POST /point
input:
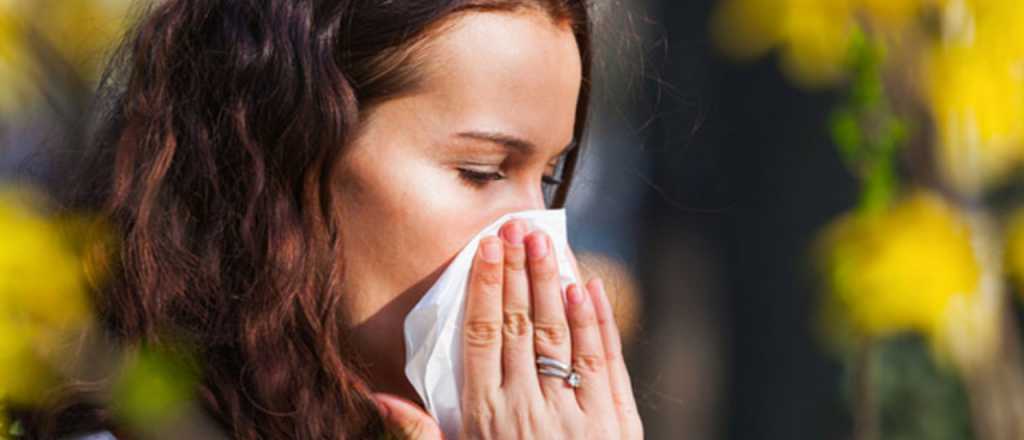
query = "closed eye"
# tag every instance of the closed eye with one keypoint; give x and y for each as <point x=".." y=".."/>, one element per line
<point x="481" y="179"/>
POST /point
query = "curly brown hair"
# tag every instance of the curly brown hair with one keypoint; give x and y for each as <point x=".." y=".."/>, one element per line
<point x="212" y="159"/>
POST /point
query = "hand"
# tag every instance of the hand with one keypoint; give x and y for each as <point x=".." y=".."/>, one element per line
<point x="406" y="418"/>
<point x="515" y="311"/>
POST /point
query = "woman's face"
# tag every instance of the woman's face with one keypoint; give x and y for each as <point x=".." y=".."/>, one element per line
<point x="497" y="104"/>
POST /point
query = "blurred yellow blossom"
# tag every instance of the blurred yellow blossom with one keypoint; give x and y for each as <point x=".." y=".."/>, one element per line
<point x="974" y="87"/>
<point x="977" y="102"/>
<point x="901" y="269"/>
<point x="813" y="36"/>
<point x="991" y="24"/>
<point x="42" y="295"/>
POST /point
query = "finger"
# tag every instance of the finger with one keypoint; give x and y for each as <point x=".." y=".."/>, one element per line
<point x="618" y="376"/>
<point x="588" y="357"/>
<point x="550" y="326"/>
<point x="406" y="418"/>
<point x="517" y="328"/>
<point x="575" y="265"/>
<point x="481" y="336"/>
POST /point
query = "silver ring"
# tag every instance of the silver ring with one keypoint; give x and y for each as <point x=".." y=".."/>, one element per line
<point x="554" y="368"/>
<point x="544" y="361"/>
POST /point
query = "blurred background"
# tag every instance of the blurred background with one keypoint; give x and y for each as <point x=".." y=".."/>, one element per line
<point x="809" y="209"/>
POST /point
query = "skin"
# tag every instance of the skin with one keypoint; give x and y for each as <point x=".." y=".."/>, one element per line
<point x="407" y="201"/>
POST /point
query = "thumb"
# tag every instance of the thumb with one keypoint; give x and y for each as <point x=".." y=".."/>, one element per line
<point x="407" y="418"/>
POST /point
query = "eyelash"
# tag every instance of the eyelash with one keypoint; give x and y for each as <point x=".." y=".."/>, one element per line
<point x="478" y="178"/>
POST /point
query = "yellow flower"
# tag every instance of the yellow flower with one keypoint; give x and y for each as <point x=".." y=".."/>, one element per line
<point x="747" y="29"/>
<point x="42" y="296"/>
<point x="813" y="35"/>
<point x="974" y="87"/>
<point x="39" y="273"/>
<point x="977" y="102"/>
<point x="900" y="270"/>
<point x="25" y="375"/>
<point x="995" y="24"/>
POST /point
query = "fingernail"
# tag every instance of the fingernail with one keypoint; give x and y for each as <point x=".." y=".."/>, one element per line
<point x="574" y="295"/>
<point x="536" y="246"/>
<point x="513" y="232"/>
<point x="491" y="250"/>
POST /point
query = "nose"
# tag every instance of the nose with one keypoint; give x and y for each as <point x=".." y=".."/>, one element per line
<point x="527" y="198"/>
<point x="520" y="198"/>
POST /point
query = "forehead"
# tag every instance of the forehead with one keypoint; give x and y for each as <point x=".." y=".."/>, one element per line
<point x="515" y="72"/>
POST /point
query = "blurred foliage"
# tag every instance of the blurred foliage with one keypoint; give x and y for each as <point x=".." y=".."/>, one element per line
<point x="938" y="84"/>
<point x="52" y="262"/>
<point x="866" y="130"/>
<point x="156" y="385"/>
<point x="1014" y="253"/>
<point x="15" y="66"/>
<point x="42" y="41"/>
<point x="961" y="60"/>
<point x="917" y="398"/>
<point x="49" y="266"/>
<point x="812" y="36"/>
<point x="82" y="32"/>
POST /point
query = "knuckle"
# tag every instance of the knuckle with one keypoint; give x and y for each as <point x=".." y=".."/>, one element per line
<point x="489" y="277"/>
<point x="543" y="270"/>
<point x="515" y="258"/>
<point x="608" y="321"/>
<point x="613" y="357"/>
<point x="626" y="408"/>
<point x="516" y="323"/>
<point x="589" y="362"/>
<point x="482" y="333"/>
<point x="584" y="322"/>
<point x="551" y="333"/>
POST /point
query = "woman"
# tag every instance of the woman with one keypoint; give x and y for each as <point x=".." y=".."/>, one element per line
<point x="289" y="177"/>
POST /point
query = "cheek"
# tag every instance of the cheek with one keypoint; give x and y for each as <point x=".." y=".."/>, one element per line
<point x="412" y="214"/>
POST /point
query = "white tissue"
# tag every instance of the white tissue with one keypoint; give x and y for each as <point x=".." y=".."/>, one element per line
<point x="433" y="329"/>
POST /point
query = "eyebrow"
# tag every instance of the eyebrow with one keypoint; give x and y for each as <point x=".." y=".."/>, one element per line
<point x="510" y="142"/>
